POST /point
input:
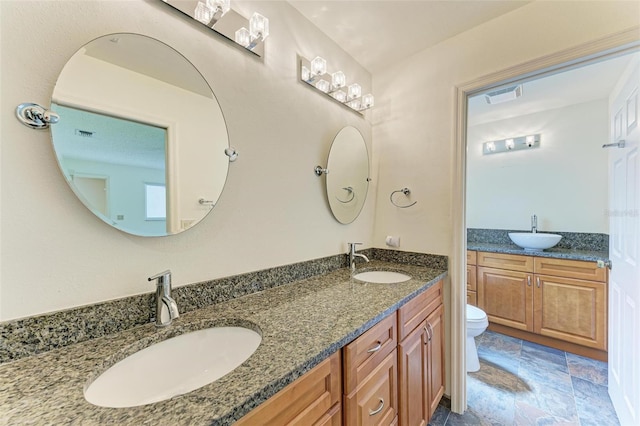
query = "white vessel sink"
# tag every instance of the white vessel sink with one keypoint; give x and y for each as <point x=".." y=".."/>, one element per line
<point x="534" y="241"/>
<point x="173" y="367"/>
<point x="381" y="277"/>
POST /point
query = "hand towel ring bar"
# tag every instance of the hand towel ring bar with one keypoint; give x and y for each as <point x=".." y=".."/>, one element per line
<point x="351" y="192"/>
<point x="406" y="192"/>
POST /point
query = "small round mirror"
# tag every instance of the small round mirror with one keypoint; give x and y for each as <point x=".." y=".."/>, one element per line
<point x="348" y="177"/>
<point x="141" y="138"/>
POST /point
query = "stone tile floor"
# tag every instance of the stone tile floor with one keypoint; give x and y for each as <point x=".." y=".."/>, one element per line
<point x="523" y="383"/>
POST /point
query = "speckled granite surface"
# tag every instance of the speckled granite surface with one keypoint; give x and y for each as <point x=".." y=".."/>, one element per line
<point x="572" y="246"/>
<point x="301" y="324"/>
<point x="580" y="241"/>
<point x="38" y="334"/>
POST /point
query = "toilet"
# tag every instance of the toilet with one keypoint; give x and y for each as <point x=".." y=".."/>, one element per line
<point x="477" y="323"/>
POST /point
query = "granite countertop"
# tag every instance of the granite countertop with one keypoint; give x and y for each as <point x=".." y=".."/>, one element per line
<point x="301" y="324"/>
<point x="557" y="253"/>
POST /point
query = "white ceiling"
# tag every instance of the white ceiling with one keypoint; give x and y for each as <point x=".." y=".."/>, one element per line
<point x="378" y="33"/>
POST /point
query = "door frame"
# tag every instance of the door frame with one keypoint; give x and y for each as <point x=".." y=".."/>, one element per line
<point x="623" y="42"/>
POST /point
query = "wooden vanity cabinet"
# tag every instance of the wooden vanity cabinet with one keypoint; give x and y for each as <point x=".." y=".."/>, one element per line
<point x="421" y="357"/>
<point x="472" y="297"/>
<point x="556" y="300"/>
<point x="371" y="376"/>
<point x="313" y="399"/>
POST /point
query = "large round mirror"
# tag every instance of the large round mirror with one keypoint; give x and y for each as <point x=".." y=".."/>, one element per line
<point x="141" y="138"/>
<point x="348" y="177"/>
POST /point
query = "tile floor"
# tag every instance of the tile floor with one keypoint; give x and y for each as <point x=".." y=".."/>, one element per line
<point x="522" y="383"/>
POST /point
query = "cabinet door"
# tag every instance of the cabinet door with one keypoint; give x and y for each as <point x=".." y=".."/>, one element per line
<point x="506" y="297"/>
<point x="571" y="310"/>
<point x="375" y="401"/>
<point x="412" y="378"/>
<point x="435" y="358"/>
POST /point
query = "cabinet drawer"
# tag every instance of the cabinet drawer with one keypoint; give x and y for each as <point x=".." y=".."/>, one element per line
<point x="570" y="269"/>
<point x="471" y="277"/>
<point x="512" y="262"/>
<point x="471" y="257"/>
<point x="366" y="352"/>
<point x="375" y="401"/>
<point x="417" y="309"/>
<point x="312" y="398"/>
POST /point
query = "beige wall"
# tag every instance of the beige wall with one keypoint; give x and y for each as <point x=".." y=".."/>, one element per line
<point x="55" y="254"/>
<point x="563" y="182"/>
<point x="414" y="115"/>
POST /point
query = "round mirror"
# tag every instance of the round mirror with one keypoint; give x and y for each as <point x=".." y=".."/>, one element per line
<point x="141" y="138"/>
<point x="348" y="177"/>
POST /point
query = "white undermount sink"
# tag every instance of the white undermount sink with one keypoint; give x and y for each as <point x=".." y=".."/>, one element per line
<point x="381" y="277"/>
<point x="173" y="367"/>
<point x="537" y="241"/>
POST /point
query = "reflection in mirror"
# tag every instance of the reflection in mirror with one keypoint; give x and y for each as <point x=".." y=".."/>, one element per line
<point x="348" y="177"/>
<point x="141" y="136"/>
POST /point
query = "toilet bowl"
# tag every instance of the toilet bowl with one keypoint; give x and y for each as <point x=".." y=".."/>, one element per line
<point x="477" y="323"/>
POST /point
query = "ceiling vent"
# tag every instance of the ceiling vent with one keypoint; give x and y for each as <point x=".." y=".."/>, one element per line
<point x="503" y="95"/>
<point x="85" y="133"/>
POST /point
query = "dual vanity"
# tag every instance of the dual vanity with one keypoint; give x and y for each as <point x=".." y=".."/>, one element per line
<point x="337" y="348"/>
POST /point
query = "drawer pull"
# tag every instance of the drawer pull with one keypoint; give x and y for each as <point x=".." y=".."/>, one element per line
<point x="377" y="410"/>
<point x="529" y="280"/>
<point x="376" y="348"/>
<point x="538" y="281"/>
<point x="426" y="330"/>
<point x="430" y="331"/>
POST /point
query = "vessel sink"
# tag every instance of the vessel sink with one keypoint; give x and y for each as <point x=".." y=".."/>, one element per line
<point x="173" y="367"/>
<point x="534" y="241"/>
<point x="381" y="277"/>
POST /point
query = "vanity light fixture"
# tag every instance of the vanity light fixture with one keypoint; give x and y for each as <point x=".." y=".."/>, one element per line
<point x="511" y="144"/>
<point x="221" y="18"/>
<point x="315" y="74"/>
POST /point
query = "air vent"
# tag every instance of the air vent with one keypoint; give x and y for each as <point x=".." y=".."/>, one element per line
<point x="85" y="133"/>
<point x="504" y="95"/>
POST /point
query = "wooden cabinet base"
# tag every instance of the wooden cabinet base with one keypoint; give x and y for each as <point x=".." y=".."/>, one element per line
<point x="551" y="342"/>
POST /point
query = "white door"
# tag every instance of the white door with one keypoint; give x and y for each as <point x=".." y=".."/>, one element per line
<point x="624" y="249"/>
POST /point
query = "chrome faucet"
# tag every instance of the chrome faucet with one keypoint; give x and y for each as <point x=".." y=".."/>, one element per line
<point x="166" y="307"/>
<point x="353" y="255"/>
<point x="534" y="224"/>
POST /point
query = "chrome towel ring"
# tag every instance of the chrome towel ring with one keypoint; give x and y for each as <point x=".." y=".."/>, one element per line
<point x="405" y="191"/>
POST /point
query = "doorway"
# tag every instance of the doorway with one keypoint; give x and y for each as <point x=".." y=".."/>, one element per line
<point x="596" y="51"/>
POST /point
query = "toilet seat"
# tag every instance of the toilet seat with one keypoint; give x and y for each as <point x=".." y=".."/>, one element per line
<point x="475" y="314"/>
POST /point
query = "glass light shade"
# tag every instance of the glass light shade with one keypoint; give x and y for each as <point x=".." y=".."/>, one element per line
<point x="203" y="13"/>
<point x="305" y="74"/>
<point x="367" y="101"/>
<point x="318" y="66"/>
<point x="339" y="96"/>
<point x="355" y="91"/>
<point x="530" y="140"/>
<point x="491" y="146"/>
<point x="243" y="38"/>
<point x="355" y="104"/>
<point x="338" y="80"/>
<point x="222" y="5"/>
<point x="509" y="144"/>
<point x="258" y="26"/>
<point x="323" y="86"/>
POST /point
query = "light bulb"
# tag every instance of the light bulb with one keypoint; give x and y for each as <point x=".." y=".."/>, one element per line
<point x="367" y="101"/>
<point x="221" y="5"/>
<point x="258" y="27"/>
<point x="339" y="96"/>
<point x="318" y="66"/>
<point x="203" y="13"/>
<point x="323" y="86"/>
<point x="509" y="144"/>
<point x="491" y="146"/>
<point x="355" y="104"/>
<point x="243" y="38"/>
<point x="338" y="80"/>
<point x="355" y="91"/>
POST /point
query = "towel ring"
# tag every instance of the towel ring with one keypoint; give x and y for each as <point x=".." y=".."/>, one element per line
<point x="406" y="192"/>
<point x="351" y="192"/>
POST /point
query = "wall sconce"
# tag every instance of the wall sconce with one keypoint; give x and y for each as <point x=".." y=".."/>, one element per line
<point x="334" y="85"/>
<point x="223" y="20"/>
<point x="511" y="144"/>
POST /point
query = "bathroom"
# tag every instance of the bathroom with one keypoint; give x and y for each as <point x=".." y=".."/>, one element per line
<point x="272" y="211"/>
